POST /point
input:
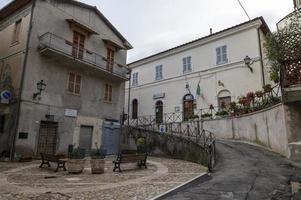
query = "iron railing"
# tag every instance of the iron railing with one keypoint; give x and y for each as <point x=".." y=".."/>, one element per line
<point x="52" y="41"/>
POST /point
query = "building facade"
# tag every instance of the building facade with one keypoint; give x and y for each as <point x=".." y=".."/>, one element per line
<point x="208" y="71"/>
<point x="63" y="73"/>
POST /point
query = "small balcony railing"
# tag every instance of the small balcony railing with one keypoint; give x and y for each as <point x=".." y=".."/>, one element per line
<point x="69" y="49"/>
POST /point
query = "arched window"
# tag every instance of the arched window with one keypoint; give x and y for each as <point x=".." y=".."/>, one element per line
<point x="188" y="106"/>
<point x="159" y="112"/>
<point x="135" y="109"/>
<point x="224" y="99"/>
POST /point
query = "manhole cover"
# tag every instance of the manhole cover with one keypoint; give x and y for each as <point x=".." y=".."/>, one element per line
<point x="73" y="179"/>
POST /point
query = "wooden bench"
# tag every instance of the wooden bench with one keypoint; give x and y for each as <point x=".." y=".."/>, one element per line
<point x="47" y="158"/>
<point x="129" y="158"/>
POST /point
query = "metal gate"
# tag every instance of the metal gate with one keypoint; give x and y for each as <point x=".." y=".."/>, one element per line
<point x="47" y="137"/>
<point x="110" y="137"/>
<point x="85" y="140"/>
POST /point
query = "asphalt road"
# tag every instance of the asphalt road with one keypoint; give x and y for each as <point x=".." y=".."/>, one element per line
<point x="243" y="172"/>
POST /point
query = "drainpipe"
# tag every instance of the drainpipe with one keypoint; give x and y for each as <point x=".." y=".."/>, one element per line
<point x="261" y="57"/>
<point x="19" y="100"/>
<point x="129" y="96"/>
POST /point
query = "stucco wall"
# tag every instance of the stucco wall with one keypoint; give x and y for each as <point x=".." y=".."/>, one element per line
<point x="267" y="128"/>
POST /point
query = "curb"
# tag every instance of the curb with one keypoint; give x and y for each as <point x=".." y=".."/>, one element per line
<point x="204" y="176"/>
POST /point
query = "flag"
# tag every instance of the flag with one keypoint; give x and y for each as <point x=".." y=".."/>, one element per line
<point x="198" y="90"/>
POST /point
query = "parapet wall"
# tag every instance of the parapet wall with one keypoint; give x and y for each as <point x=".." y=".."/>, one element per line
<point x="266" y="127"/>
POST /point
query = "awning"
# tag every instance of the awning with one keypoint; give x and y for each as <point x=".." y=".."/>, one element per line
<point x="110" y="42"/>
<point x="82" y="26"/>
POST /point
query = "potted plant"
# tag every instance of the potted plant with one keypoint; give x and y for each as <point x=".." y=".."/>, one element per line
<point x="221" y="114"/>
<point x="76" y="161"/>
<point x="98" y="161"/>
<point x="206" y="116"/>
<point x="141" y="145"/>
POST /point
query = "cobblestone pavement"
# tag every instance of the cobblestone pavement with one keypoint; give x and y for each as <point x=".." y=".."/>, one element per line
<point x="27" y="181"/>
<point x="245" y="172"/>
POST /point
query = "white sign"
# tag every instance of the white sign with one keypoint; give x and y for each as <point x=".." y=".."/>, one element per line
<point x="162" y="128"/>
<point x="70" y="113"/>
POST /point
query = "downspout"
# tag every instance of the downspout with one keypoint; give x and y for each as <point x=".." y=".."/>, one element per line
<point x="261" y="57"/>
<point x="19" y="100"/>
<point x="129" y="96"/>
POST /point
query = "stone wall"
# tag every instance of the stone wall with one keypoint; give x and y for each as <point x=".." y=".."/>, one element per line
<point x="266" y="128"/>
<point x="167" y="145"/>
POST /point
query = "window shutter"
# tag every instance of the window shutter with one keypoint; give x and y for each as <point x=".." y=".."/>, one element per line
<point x="218" y="55"/>
<point x="189" y="63"/>
<point x="77" y="84"/>
<point x="184" y="64"/>
<point x="224" y="52"/>
<point x="71" y="82"/>
<point x="110" y="93"/>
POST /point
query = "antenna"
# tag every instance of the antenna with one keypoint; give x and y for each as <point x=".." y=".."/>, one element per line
<point x="244" y="9"/>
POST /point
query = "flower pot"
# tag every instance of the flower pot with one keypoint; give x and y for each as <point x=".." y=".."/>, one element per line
<point x="97" y="166"/>
<point x="75" y="166"/>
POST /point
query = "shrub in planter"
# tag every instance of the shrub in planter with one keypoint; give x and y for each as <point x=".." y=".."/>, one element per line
<point x="206" y="115"/>
<point x="98" y="161"/>
<point x="76" y="161"/>
<point x="259" y="94"/>
<point x="267" y="88"/>
<point x="222" y="113"/>
<point x="250" y="96"/>
<point x="141" y="145"/>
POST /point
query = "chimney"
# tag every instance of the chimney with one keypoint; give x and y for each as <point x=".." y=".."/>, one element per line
<point x="210" y="31"/>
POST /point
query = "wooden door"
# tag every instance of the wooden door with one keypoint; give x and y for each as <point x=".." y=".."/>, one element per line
<point x="159" y="112"/>
<point x="110" y="59"/>
<point x="78" y="45"/>
<point x="85" y="140"/>
<point x="47" y="138"/>
<point x="188" y="106"/>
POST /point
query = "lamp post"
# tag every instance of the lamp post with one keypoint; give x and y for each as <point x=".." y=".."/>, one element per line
<point x="248" y="62"/>
<point x="41" y="86"/>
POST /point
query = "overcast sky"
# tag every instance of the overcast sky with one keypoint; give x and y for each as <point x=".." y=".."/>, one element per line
<point x="152" y="26"/>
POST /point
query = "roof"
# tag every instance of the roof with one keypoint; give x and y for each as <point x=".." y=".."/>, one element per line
<point x="17" y="4"/>
<point x="264" y="28"/>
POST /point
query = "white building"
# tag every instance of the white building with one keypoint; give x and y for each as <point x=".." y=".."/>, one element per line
<point x="214" y="65"/>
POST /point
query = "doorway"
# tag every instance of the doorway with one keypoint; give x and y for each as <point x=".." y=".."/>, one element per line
<point x="85" y="139"/>
<point x="188" y="106"/>
<point x="47" y="138"/>
<point x="159" y="112"/>
<point x="78" y="45"/>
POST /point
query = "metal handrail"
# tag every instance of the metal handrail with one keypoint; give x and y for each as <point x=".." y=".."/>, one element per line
<point x="50" y="40"/>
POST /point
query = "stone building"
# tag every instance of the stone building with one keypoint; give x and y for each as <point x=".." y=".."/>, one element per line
<point x="207" y="71"/>
<point x="63" y="73"/>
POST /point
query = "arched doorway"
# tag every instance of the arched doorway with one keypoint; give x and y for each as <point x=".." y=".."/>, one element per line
<point x="159" y="112"/>
<point x="135" y="109"/>
<point x="188" y="106"/>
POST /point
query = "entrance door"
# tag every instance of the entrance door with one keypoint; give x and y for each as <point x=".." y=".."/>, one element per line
<point x="78" y="45"/>
<point x="188" y="107"/>
<point x="159" y="112"/>
<point x="110" y="137"/>
<point x="110" y="59"/>
<point x="85" y="140"/>
<point x="47" y="137"/>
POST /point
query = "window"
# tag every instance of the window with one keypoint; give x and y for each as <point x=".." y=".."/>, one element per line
<point x="221" y="55"/>
<point x="187" y="64"/>
<point x="108" y="93"/>
<point x="78" y="45"/>
<point x="74" y="83"/>
<point x="135" y="79"/>
<point x="16" y="33"/>
<point x="159" y="73"/>
<point x="110" y="59"/>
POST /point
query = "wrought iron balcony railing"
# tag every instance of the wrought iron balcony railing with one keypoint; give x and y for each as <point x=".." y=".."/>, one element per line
<point x="69" y="49"/>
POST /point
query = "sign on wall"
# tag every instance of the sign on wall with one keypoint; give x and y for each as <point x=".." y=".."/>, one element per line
<point x="70" y="113"/>
<point x="162" y="128"/>
<point x="159" y="96"/>
<point x="6" y="96"/>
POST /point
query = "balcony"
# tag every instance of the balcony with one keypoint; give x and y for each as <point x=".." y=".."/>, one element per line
<point x="291" y="69"/>
<point x="66" y="52"/>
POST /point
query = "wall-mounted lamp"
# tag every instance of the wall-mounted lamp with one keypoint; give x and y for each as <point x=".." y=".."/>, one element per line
<point x="41" y="86"/>
<point x="248" y="62"/>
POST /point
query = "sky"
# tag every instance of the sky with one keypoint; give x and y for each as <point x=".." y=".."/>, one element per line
<point x="152" y="26"/>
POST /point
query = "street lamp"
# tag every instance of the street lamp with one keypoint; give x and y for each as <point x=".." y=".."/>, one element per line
<point x="248" y="62"/>
<point x="41" y="86"/>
